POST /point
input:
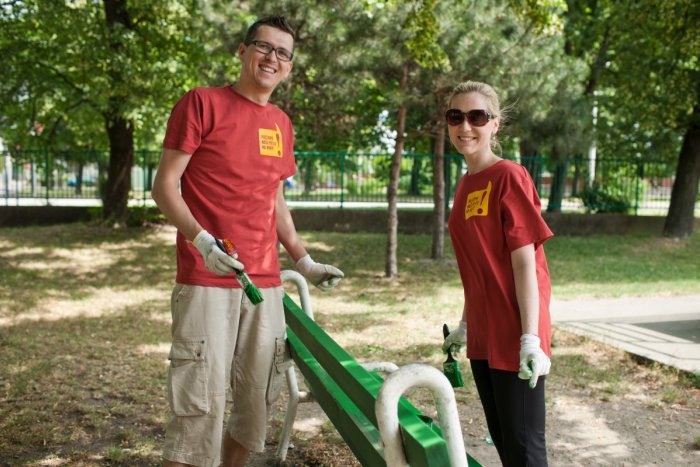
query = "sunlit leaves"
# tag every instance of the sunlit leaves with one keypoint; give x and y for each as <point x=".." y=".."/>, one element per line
<point x="423" y="31"/>
<point x="545" y="16"/>
<point x="69" y="67"/>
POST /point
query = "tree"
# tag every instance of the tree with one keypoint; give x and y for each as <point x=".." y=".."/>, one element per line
<point x="642" y="47"/>
<point x="416" y="45"/>
<point x="439" y="203"/>
<point x="109" y="62"/>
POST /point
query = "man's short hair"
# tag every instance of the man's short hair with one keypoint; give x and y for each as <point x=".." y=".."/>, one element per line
<point x="278" y="22"/>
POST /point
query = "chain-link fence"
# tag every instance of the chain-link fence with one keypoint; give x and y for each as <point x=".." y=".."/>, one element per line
<point x="573" y="184"/>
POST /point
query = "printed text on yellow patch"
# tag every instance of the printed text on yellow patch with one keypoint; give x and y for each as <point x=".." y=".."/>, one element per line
<point x="270" y="142"/>
<point x="478" y="203"/>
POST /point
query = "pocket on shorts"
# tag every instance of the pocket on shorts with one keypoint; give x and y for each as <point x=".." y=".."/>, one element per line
<point x="187" y="377"/>
<point x="283" y="361"/>
<point x="180" y="300"/>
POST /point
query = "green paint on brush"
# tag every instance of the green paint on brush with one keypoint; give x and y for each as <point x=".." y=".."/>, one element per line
<point x="451" y="366"/>
<point x="250" y="290"/>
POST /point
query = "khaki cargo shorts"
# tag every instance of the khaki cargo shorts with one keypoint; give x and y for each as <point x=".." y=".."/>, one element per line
<point x="220" y="338"/>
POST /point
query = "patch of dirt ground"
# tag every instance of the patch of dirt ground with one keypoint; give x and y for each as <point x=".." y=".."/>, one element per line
<point x="625" y="413"/>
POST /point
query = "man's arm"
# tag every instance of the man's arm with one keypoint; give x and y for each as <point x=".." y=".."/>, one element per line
<point x="286" y="231"/>
<point x="166" y="192"/>
<point x="323" y="276"/>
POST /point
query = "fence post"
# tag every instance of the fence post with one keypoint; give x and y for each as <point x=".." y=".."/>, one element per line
<point x="342" y="179"/>
<point x="447" y="171"/>
<point x="144" y="176"/>
<point x="5" y="158"/>
<point x="639" y="175"/>
<point x="32" y="176"/>
<point x="540" y="171"/>
<point x="48" y="175"/>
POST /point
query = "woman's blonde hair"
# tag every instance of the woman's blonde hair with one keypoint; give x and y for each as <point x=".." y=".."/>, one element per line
<point x="493" y="103"/>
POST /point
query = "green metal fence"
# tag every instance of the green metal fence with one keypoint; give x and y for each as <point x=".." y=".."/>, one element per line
<point x="342" y="179"/>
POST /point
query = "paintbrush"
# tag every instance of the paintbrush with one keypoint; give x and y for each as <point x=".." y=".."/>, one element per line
<point x="451" y="366"/>
<point x="250" y="290"/>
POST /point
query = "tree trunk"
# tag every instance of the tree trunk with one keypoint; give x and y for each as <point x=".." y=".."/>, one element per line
<point x="391" y="267"/>
<point x="308" y="175"/>
<point x="150" y="169"/>
<point x="529" y="158"/>
<point x="681" y="212"/>
<point x="120" y="130"/>
<point x="121" y="158"/>
<point x="577" y="176"/>
<point x="79" y="179"/>
<point x="439" y="208"/>
<point x="558" y="188"/>
<point x="415" y="177"/>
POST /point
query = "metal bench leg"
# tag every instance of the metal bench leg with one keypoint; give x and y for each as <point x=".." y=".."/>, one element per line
<point x="291" y="414"/>
<point x="386" y="410"/>
<point x="384" y="367"/>
<point x="292" y="385"/>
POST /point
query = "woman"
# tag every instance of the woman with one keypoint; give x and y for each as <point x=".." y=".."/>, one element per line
<point x="497" y="234"/>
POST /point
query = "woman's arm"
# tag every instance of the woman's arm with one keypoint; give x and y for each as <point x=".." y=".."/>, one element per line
<point x="526" y="289"/>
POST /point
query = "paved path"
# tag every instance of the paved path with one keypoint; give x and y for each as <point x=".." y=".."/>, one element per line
<point x="663" y="329"/>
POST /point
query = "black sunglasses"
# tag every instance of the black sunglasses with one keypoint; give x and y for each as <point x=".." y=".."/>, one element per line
<point x="475" y="117"/>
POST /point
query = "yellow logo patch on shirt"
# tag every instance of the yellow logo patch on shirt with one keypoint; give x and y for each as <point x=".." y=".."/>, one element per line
<point x="270" y="142"/>
<point x="478" y="203"/>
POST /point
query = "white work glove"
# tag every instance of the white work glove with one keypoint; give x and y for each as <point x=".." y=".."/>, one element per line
<point x="323" y="276"/>
<point x="456" y="340"/>
<point x="215" y="259"/>
<point x="533" y="361"/>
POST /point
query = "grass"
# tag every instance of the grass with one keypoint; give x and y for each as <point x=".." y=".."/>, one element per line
<point x="84" y="326"/>
<point x="613" y="266"/>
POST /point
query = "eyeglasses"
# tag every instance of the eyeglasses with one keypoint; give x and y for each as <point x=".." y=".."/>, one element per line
<point x="475" y="117"/>
<point x="265" y="48"/>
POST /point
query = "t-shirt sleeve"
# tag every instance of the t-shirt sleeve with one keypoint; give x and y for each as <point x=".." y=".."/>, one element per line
<point x="522" y="213"/>
<point x="290" y="167"/>
<point x="185" y="125"/>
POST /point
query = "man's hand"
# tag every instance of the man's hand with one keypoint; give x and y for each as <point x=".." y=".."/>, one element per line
<point x="323" y="276"/>
<point x="456" y="340"/>
<point x="215" y="259"/>
<point x="533" y="361"/>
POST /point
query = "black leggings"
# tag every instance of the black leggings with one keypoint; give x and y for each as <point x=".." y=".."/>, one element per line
<point x="514" y="414"/>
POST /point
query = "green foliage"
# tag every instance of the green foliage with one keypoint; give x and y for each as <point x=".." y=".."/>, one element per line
<point x="545" y="16"/>
<point x="635" y="50"/>
<point x="691" y="380"/>
<point x="137" y="216"/>
<point x="70" y="71"/>
<point x="423" y="31"/>
<point x="606" y="198"/>
<point x="614" y="190"/>
<point x="352" y="186"/>
<point x="66" y="73"/>
<point x="140" y="216"/>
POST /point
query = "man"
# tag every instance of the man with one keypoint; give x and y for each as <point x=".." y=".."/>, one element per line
<point x="230" y="151"/>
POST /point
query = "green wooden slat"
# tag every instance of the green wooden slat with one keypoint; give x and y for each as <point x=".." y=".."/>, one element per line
<point x="357" y="430"/>
<point x="355" y="380"/>
<point x="423" y="446"/>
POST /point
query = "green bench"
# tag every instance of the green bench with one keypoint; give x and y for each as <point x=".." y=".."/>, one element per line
<point x="348" y="394"/>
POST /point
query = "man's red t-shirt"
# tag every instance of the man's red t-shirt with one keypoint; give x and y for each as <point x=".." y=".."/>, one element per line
<point x="240" y="152"/>
<point x="497" y="211"/>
